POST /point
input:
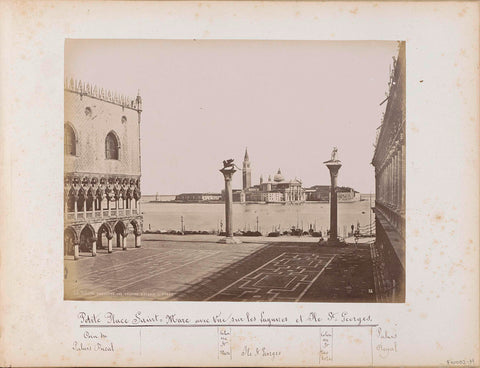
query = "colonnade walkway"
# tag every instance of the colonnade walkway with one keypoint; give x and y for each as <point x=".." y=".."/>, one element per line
<point x="196" y="268"/>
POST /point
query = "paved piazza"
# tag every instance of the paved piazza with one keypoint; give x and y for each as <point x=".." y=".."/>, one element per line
<point x="198" y="268"/>
<point x="284" y="278"/>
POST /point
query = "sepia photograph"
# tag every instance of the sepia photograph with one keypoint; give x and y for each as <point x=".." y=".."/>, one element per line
<point x="239" y="183"/>
<point x="234" y="170"/>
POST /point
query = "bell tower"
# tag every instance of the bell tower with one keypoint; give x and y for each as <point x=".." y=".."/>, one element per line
<point x="246" y="172"/>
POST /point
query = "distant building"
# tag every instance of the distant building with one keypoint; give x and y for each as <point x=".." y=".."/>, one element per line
<point x="321" y="193"/>
<point x="389" y="163"/>
<point x="238" y="195"/>
<point x="102" y="169"/>
<point x="277" y="190"/>
<point x="346" y="194"/>
<point x="246" y="172"/>
<point x="159" y="198"/>
<point x="198" y="197"/>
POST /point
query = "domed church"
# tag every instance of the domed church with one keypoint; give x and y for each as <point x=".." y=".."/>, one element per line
<point x="277" y="190"/>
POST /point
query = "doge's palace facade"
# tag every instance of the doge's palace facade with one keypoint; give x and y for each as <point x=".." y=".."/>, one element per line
<point x="102" y="170"/>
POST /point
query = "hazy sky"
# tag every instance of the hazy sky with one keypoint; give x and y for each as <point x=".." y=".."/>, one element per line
<point x="204" y="101"/>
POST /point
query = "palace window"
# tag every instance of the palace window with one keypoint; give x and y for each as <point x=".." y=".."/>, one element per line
<point x="112" y="146"/>
<point x="70" y="140"/>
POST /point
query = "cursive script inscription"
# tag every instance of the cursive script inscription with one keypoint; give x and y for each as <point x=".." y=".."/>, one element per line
<point x="90" y="318"/>
<point x="93" y="341"/>
<point x="259" y="351"/>
<point x="224" y="342"/>
<point x="386" y="342"/>
<point x="326" y="344"/>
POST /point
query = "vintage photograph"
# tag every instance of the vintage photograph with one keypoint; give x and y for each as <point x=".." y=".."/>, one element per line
<point x="234" y="170"/>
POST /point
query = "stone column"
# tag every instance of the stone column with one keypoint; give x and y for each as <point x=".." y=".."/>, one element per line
<point x="109" y="242"/>
<point x="75" y="207"/>
<point x="228" y="174"/>
<point x="124" y="241"/>
<point x="333" y="166"/>
<point x="94" y="247"/>
<point x="76" y="251"/>
<point x="138" y="240"/>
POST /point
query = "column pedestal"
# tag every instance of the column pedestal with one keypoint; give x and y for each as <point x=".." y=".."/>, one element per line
<point x="230" y="240"/>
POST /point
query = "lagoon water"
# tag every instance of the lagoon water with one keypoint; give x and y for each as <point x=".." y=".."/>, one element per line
<point x="207" y="216"/>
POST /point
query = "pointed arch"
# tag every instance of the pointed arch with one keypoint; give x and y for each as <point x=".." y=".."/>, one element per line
<point x="106" y="229"/>
<point x="120" y="231"/>
<point x="89" y="199"/>
<point x="87" y="236"/>
<point x="120" y="228"/>
<point x="70" y="238"/>
<point x="89" y="228"/>
<point x="70" y="139"/>
<point x="129" y="193"/>
<point x="137" y="228"/>
<point x="71" y="198"/>
<point x="71" y="231"/>
<point x="112" y="146"/>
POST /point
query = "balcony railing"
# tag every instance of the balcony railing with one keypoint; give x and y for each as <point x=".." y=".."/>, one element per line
<point x="97" y="214"/>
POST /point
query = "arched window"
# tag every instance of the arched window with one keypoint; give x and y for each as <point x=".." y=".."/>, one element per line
<point x="111" y="146"/>
<point x="70" y="140"/>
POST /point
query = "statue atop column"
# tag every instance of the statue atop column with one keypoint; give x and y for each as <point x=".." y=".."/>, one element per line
<point x="334" y="154"/>
<point x="228" y="165"/>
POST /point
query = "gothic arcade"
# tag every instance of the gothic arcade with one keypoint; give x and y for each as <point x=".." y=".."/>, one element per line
<point x="102" y="170"/>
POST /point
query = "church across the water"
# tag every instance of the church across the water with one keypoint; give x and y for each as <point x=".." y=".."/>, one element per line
<point x="277" y="190"/>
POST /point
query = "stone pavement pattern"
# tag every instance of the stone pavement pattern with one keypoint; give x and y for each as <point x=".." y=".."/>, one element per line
<point x="192" y="269"/>
<point x="284" y="278"/>
<point x="154" y="272"/>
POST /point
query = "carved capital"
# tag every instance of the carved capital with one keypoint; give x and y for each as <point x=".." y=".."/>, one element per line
<point x="228" y="173"/>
